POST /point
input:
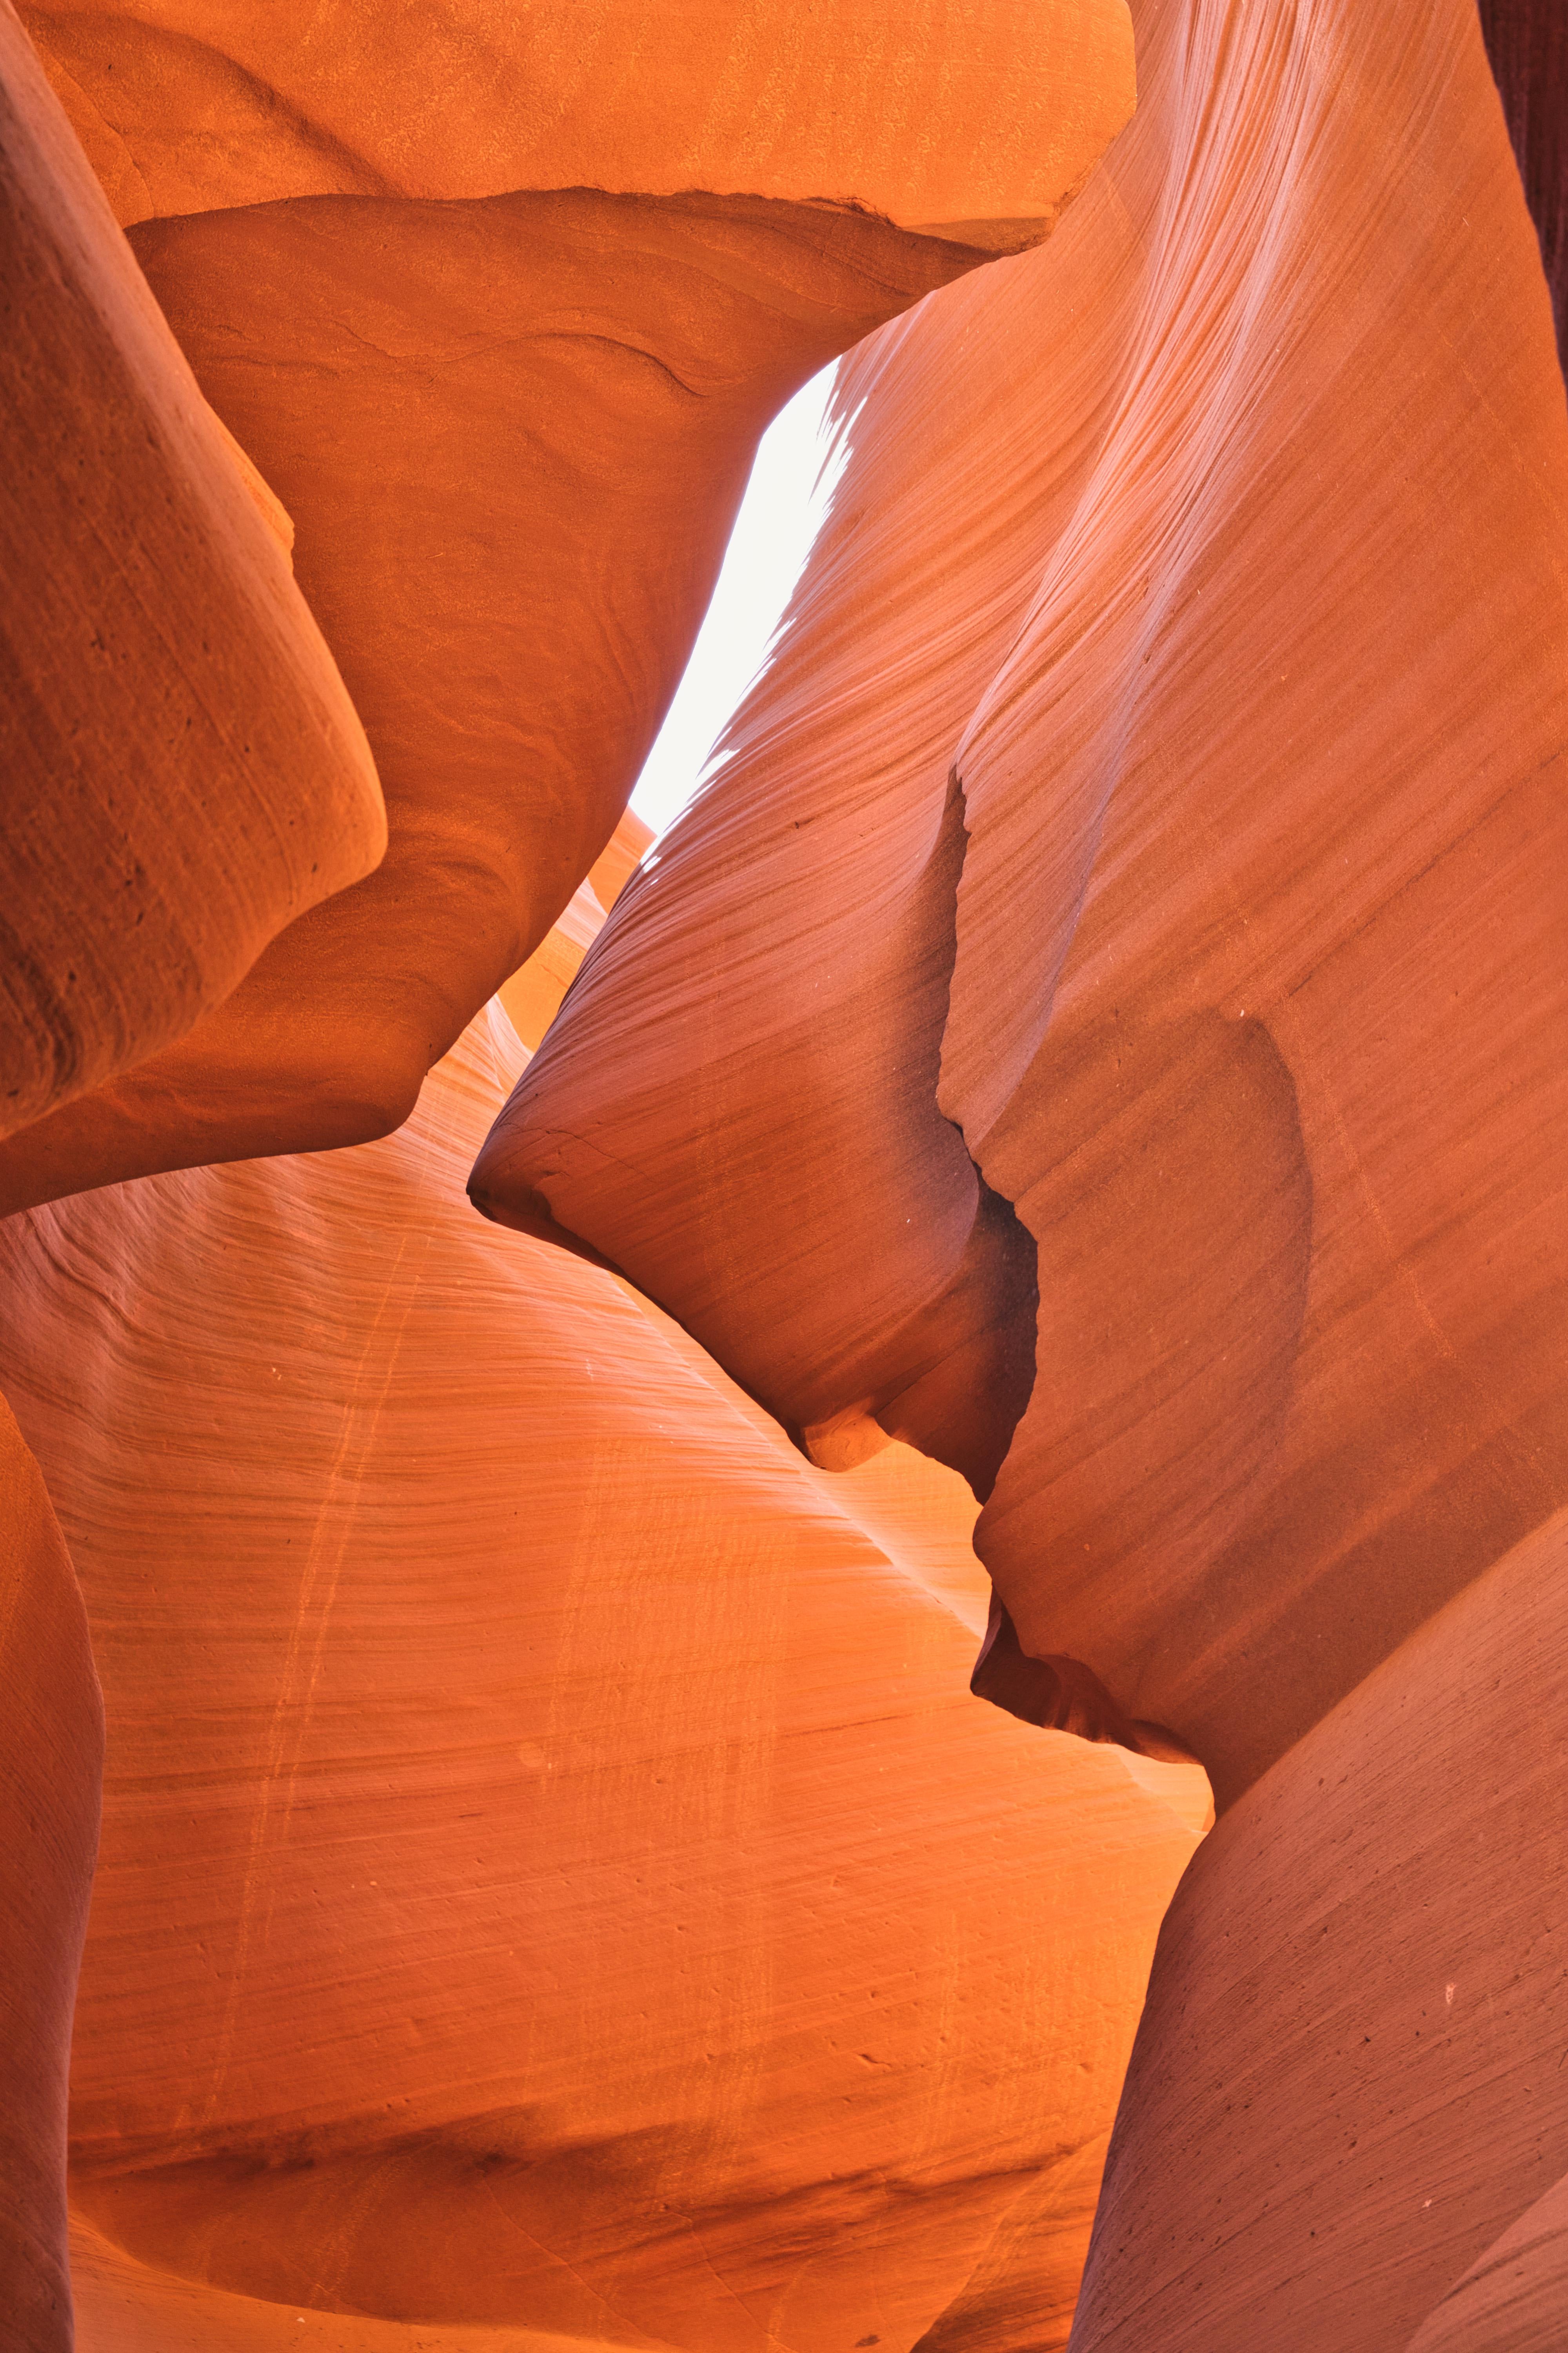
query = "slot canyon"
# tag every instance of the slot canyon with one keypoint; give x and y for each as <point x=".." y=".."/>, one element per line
<point x="800" y="1584"/>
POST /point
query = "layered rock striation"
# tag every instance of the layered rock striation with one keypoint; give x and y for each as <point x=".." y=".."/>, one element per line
<point x="1354" y="2027"/>
<point x="501" y="312"/>
<point x="503" y="335"/>
<point x="1134" y="889"/>
<point x="1134" y="877"/>
<point x="1093" y="1051"/>
<point x="553" y="1878"/>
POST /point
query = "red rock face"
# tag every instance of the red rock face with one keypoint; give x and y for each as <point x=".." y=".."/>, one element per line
<point x="49" y="1766"/>
<point x="512" y="369"/>
<point x="987" y="120"/>
<point x="488" y="419"/>
<point x="1528" y="45"/>
<point x="1237" y="990"/>
<point x="1238" y="625"/>
<point x="552" y="1861"/>
<point x="1374" y="1941"/>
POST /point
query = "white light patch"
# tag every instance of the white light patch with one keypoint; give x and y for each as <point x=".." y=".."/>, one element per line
<point x="787" y="498"/>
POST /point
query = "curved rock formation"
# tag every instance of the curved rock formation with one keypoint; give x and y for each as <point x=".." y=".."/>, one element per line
<point x="1095" y="1049"/>
<point x="977" y="119"/>
<point x="1137" y="870"/>
<point x="554" y="1877"/>
<point x="1140" y="878"/>
<point x="184" y="774"/>
<point x="512" y="415"/>
<point x="1348" y="2079"/>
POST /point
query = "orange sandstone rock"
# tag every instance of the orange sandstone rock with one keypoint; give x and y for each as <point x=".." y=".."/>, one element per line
<point x="52" y="1754"/>
<point x="1527" y="41"/>
<point x="554" y="1877"/>
<point x="1102" y="1028"/>
<point x="1347" y="2087"/>
<point x="534" y="994"/>
<point x="512" y="434"/>
<point x="512" y="414"/>
<point x="184" y="774"/>
<point x="982" y="119"/>
<point x="126" y="2306"/>
<point x="532" y="998"/>
<point x="1142" y="871"/>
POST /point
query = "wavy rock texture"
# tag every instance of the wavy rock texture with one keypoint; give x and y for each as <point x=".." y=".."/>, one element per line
<point x="512" y="434"/>
<point x="1140" y="872"/>
<point x="1102" y="1028"/>
<point x="184" y="774"/>
<point x="50" y="1763"/>
<point x="553" y="1879"/>
<point x="512" y="416"/>
<point x="1354" y="2032"/>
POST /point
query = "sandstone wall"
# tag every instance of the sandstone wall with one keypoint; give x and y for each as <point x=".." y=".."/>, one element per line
<point x="1140" y="873"/>
<point x="553" y="1877"/>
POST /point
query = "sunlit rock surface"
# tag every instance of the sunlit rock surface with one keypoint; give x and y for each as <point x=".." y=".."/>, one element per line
<point x="1137" y="886"/>
<point x="978" y="119"/>
<point x="502" y="329"/>
<point x="532" y="998"/>
<point x="182" y="772"/>
<point x="1094" y="1051"/>
<point x="1355" y="2033"/>
<point x="1142" y="871"/>
<point x="505" y="348"/>
<point x="554" y="1875"/>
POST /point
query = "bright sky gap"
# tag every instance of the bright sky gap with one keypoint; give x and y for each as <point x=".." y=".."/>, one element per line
<point x="786" y="498"/>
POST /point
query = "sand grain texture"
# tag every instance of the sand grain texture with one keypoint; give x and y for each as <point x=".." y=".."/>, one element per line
<point x="982" y="119"/>
<point x="1355" y="2023"/>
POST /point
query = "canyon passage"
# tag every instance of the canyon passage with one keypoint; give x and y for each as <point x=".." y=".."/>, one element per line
<point x="801" y="1584"/>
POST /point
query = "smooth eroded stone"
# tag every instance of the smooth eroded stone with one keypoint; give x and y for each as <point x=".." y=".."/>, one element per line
<point x="183" y="773"/>
<point x="554" y="1876"/>
<point x="1513" y="2297"/>
<point x="1348" y="2083"/>
<point x="512" y="434"/>
<point x="501" y="302"/>
<point x="1141" y="875"/>
<point x="985" y="117"/>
